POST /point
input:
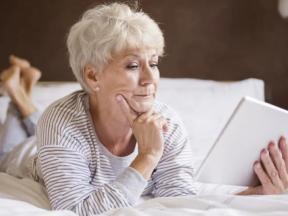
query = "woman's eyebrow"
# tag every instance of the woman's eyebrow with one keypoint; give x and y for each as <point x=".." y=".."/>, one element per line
<point x="132" y="55"/>
<point x="138" y="56"/>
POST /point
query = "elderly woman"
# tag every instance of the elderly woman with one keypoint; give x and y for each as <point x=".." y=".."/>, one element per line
<point x="104" y="146"/>
<point x="99" y="147"/>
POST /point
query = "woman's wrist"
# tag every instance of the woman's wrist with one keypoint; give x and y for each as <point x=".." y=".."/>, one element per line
<point x="150" y="159"/>
<point x="145" y="164"/>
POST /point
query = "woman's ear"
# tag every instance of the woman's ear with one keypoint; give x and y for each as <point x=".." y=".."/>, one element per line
<point x="91" y="77"/>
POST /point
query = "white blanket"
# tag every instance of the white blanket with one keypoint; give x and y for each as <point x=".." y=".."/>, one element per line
<point x="26" y="197"/>
<point x="221" y="205"/>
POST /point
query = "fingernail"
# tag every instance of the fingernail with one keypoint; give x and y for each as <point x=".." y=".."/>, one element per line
<point x="282" y="139"/>
<point x="271" y="145"/>
<point x="282" y="144"/>
<point x="263" y="151"/>
<point x="257" y="165"/>
<point x="118" y="98"/>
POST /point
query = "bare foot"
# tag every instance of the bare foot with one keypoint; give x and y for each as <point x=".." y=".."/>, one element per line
<point x="22" y="63"/>
<point x="11" y="83"/>
<point x="10" y="78"/>
<point x="29" y="77"/>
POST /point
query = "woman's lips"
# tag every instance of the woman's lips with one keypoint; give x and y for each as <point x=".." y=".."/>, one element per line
<point x="144" y="97"/>
<point x="139" y="103"/>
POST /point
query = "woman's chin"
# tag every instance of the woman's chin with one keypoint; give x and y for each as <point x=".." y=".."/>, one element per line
<point x="141" y="107"/>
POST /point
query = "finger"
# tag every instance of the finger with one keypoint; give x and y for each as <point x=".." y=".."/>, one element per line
<point x="278" y="161"/>
<point x="127" y="111"/>
<point x="143" y="117"/>
<point x="164" y="125"/>
<point x="159" y="120"/>
<point x="162" y="122"/>
<point x="262" y="176"/>
<point x="268" y="165"/>
<point x="153" y="117"/>
<point x="284" y="151"/>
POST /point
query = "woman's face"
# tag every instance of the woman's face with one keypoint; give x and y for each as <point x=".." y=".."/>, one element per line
<point x="133" y="74"/>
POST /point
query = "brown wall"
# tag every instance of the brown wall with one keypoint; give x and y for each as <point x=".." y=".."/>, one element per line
<point x="221" y="40"/>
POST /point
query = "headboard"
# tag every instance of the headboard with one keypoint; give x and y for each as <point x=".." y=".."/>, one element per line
<point x="216" y="40"/>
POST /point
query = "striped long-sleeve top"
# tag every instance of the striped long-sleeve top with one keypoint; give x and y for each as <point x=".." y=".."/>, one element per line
<point x="81" y="175"/>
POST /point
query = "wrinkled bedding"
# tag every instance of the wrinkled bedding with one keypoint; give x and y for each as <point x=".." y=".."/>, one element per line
<point x="26" y="197"/>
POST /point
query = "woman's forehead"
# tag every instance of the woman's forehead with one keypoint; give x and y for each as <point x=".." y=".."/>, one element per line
<point x="138" y="53"/>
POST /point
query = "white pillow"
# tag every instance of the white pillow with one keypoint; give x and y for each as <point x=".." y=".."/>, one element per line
<point x="205" y="106"/>
<point x="45" y="93"/>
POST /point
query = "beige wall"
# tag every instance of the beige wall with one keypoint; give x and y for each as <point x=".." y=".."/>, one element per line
<point x="221" y="40"/>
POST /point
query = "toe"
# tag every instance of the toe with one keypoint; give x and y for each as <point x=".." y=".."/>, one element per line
<point x="15" y="60"/>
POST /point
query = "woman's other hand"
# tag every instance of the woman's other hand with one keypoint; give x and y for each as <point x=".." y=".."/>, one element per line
<point x="271" y="170"/>
<point x="148" y="130"/>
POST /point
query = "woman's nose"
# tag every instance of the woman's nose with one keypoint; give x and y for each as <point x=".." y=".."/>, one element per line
<point x="146" y="76"/>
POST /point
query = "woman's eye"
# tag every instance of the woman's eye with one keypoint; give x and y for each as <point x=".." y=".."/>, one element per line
<point x="132" y="67"/>
<point x="136" y="66"/>
<point x="154" y="65"/>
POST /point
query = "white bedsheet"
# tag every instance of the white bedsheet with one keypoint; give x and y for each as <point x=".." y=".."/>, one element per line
<point x="10" y="207"/>
<point x="27" y="198"/>
<point x="216" y="205"/>
<point x="24" y="197"/>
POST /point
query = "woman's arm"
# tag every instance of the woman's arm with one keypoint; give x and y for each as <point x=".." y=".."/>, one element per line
<point x="174" y="175"/>
<point x="65" y="169"/>
<point x="171" y="163"/>
<point x="69" y="185"/>
<point x="148" y="130"/>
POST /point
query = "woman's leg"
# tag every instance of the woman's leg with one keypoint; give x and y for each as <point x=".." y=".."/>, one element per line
<point x="22" y="115"/>
<point x="21" y="96"/>
<point x="12" y="132"/>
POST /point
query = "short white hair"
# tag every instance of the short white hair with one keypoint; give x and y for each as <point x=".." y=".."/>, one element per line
<point x="106" y="30"/>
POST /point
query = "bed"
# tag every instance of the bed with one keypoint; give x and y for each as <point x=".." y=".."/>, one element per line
<point x="204" y="107"/>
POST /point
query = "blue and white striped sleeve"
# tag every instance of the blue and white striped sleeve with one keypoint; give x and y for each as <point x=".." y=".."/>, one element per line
<point x="67" y="177"/>
<point x="174" y="175"/>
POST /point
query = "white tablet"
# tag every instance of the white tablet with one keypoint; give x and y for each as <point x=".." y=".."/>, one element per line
<point x="251" y="127"/>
